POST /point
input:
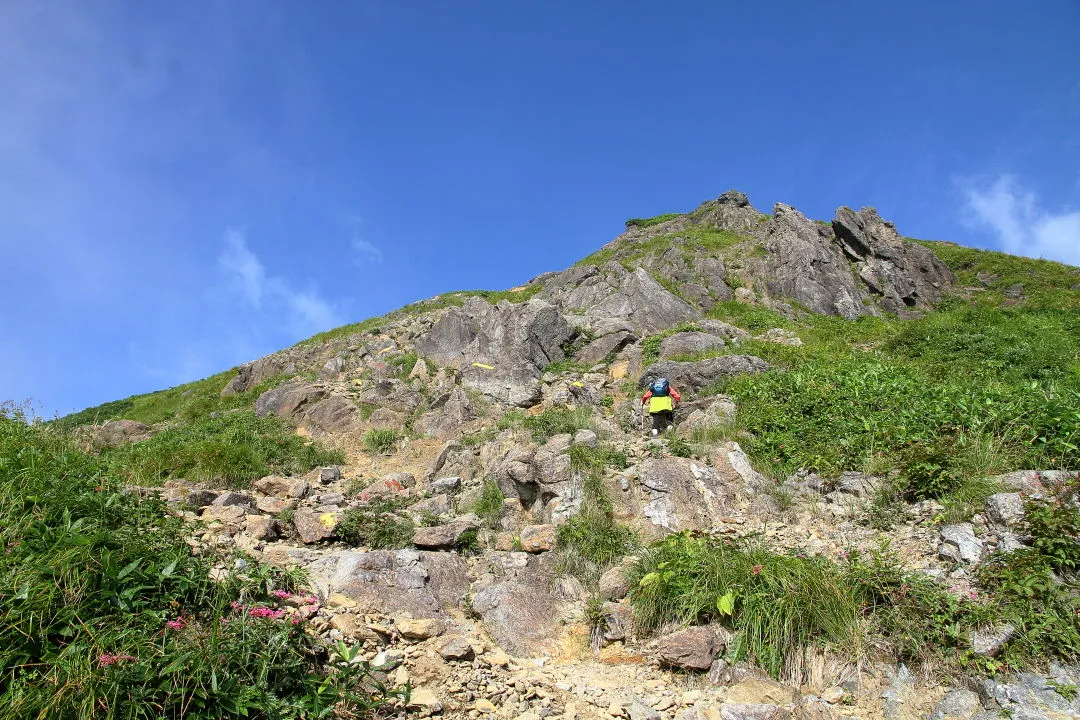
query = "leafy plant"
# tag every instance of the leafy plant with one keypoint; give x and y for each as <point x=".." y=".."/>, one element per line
<point x="1054" y="528"/>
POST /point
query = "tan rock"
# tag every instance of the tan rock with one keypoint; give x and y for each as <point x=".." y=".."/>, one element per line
<point x="226" y="514"/>
<point x="338" y="600"/>
<point x="424" y="698"/>
<point x="538" y="538"/>
<point x="418" y="629"/>
<point x="282" y="487"/>
<point x="760" y="692"/>
<point x="261" y="527"/>
<point x="313" y="526"/>
<point x="485" y="706"/>
<point x="274" y="505"/>
<point x="454" y="647"/>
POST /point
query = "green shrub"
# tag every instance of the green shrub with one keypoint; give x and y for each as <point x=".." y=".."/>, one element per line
<point x="376" y="525"/>
<point x="468" y="543"/>
<point x="105" y="613"/>
<point x="753" y="318"/>
<point x="233" y="448"/>
<point x="380" y="441"/>
<point x="679" y="447"/>
<point x="489" y="506"/>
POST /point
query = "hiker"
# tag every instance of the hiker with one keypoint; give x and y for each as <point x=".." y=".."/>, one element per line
<point x="662" y="399"/>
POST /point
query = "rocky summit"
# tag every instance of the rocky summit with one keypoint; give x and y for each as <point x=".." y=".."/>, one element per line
<point x="867" y="507"/>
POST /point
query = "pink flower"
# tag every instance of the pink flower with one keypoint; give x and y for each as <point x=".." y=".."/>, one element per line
<point x="756" y="569"/>
<point x="311" y="600"/>
<point x="267" y="613"/>
<point x="177" y="624"/>
<point x="295" y="620"/>
<point x="236" y="605"/>
<point x="282" y="594"/>
<point x="107" y="659"/>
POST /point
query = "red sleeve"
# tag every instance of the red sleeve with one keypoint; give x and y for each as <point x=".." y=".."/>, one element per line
<point x="645" y="397"/>
<point x="675" y="395"/>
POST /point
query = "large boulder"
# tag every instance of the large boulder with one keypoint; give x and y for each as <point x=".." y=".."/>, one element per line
<point x="692" y="376"/>
<point x="516" y="603"/>
<point x="288" y="399"/>
<point x="395" y="582"/>
<point x="673" y="494"/>
<point x="501" y="349"/>
<point x="694" y="648"/>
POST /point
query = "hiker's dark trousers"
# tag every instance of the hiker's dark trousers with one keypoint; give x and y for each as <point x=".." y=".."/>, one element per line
<point x="663" y="419"/>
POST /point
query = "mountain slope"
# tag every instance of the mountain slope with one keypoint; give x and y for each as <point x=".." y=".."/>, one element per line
<point x="841" y="384"/>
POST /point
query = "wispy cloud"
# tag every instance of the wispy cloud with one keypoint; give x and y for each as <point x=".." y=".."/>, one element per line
<point x="305" y="311"/>
<point x="366" y="251"/>
<point x="1023" y="227"/>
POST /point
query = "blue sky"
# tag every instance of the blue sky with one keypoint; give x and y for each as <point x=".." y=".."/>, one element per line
<point x="188" y="186"/>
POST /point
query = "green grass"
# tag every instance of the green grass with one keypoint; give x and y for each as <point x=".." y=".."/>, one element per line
<point x="567" y="366"/>
<point x="92" y="575"/>
<point x="556" y="421"/>
<point x="377" y="525"/>
<point x="1046" y="284"/>
<point x="649" y="222"/>
<point x="403" y="364"/>
<point x="234" y="449"/>
<point x="489" y="506"/>
<point x="592" y="541"/>
<point x="381" y="441"/>
<point x="778" y="605"/>
<point x="753" y="318"/>
<point x="184" y="403"/>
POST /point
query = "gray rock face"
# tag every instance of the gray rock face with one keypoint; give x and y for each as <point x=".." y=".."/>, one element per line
<point x="421" y="584"/>
<point x="833" y="269"/>
<point x="687" y="343"/>
<point x="1005" y="509"/>
<point x="645" y="304"/>
<point x="959" y="544"/>
<point x="499" y="349"/>
<point x="694" y="648"/>
<point x="680" y="494"/>
<point x="314" y="526"/>
<point x="602" y="347"/>
<point x="614" y="584"/>
<point x="957" y="705"/>
<point x="516" y="603"/>
<point x="990" y="641"/>
<point x="692" y="376"/>
<point x="249" y="375"/>
<point x="900" y="274"/>
<point x="288" y="398"/>
<point x="804" y="264"/>
<point x="719" y="412"/>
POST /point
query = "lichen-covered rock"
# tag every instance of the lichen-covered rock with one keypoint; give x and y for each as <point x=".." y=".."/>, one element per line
<point x="959" y="544"/>
<point x="516" y="603"/>
<point x="688" y="343"/>
<point x="312" y="526"/>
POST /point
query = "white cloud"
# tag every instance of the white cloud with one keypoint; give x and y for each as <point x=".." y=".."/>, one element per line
<point x="305" y="311"/>
<point x="1023" y="227"/>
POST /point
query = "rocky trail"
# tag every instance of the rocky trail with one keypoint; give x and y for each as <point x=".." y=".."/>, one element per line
<point x="476" y="610"/>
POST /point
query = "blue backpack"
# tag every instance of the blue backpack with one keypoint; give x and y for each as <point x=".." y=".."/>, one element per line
<point x="660" y="387"/>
